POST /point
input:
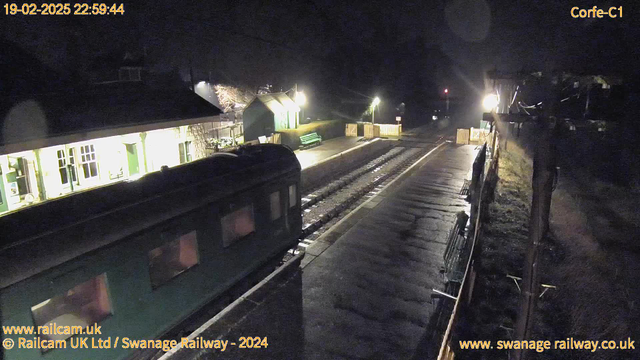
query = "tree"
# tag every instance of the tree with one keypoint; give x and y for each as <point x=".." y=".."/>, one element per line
<point x="232" y="98"/>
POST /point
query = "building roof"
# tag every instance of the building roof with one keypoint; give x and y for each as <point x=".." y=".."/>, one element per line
<point x="108" y="106"/>
<point x="277" y="102"/>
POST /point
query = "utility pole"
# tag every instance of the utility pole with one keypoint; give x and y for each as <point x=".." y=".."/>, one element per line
<point x="544" y="172"/>
<point x="544" y="176"/>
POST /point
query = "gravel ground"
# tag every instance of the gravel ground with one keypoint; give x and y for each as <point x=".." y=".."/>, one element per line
<point x="340" y="181"/>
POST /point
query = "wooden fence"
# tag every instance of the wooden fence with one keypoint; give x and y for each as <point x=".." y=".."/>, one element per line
<point x="371" y="131"/>
<point x="374" y="130"/>
<point x="351" y="130"/>
<point x="474" y="136"/>
<point x="390" y="129"/>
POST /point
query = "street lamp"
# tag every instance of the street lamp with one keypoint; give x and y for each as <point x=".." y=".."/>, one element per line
<point x="376" y="102"/>
<point x="490" y="102"/>
<point x="301" y="100"/>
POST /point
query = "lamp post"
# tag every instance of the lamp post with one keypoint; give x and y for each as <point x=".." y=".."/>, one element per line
<point x="446" y="95"/>
<point x="376" y="102"/>
<point x="301" y="100"/>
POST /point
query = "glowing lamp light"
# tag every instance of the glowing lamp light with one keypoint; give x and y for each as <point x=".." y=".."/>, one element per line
<point x="301" y="99"/>
<point x="375" y="102"/>
<point x="446" y="91"/>
<point x="490" y="102"/>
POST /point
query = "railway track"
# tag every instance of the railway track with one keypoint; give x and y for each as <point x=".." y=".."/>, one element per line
<point x="325" y="191"/>
<point x="325" y="206"/>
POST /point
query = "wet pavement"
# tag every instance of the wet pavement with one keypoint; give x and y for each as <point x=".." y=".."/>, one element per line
<point x="368" y="295"/>
<point x="365" y="287"/>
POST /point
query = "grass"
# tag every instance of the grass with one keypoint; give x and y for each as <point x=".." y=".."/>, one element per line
<point x="592" y="255"/>
<point x="593" y="224"/>
<point x="493" y="311"/>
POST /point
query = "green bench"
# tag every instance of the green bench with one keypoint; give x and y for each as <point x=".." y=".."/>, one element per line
<point x="310" y="139"/>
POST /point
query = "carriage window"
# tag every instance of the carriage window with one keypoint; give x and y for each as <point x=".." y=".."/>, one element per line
<point x="237" y="224"/>
<point x="79" y="307"/>
<point x="170" y="260"/>
<point x="293" y="197"/>
<point x="274" y="200"/>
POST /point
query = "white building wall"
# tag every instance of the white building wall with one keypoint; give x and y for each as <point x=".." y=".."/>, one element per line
<point x="160" y="146"/>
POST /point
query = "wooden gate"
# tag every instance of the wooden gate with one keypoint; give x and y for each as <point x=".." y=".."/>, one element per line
<point x="351" y="130"/>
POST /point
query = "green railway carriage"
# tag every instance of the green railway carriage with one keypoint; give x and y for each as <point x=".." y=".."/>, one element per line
<point x="138" y="258"/>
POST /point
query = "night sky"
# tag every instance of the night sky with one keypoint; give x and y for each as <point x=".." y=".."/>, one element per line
<point x="339" y="51"/>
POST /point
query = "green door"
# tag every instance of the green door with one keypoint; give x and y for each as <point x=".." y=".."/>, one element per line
<point x="132" y="159"/>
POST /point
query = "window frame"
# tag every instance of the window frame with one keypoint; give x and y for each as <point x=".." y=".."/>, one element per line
<point x="62" y="167"/>
<point x="184" y="152"/>
<point x="68" y="165"/>
<point x="87" y="157"/>
<point x="172" y="239"/>
<point x="290" y="205"/>
<point x="277" y="192"/>
<point x="104" y="283"/>
<point x="234" y="209"/>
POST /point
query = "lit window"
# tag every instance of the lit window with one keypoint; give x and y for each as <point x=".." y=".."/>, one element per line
<point x="185" y="151"/>
<point x="274" y="201"/>
<point x="66" y="167"/>
<point x="88" y="160"/>
<point x="237" y="224"/>
<point x="172" y="259"/>
<point x="62" y="166"/>
<point x="82" y="306"/>
<point x="293" y="196"/>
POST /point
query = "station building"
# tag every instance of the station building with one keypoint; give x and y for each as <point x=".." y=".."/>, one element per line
<point x="269" y="113"/>
<point x="55" y="144"/>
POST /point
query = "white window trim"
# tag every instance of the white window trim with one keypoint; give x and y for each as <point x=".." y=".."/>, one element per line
<point x="95" y="178"/>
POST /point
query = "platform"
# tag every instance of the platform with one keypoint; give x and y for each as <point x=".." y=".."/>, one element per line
<point x="365" y="287"/>
<point x="313" y="155"/>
